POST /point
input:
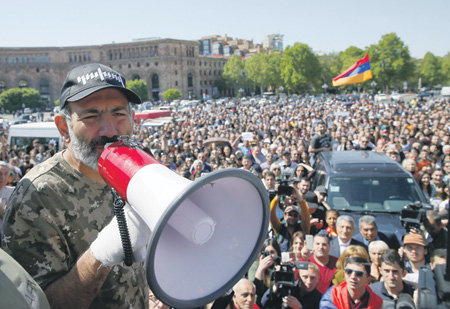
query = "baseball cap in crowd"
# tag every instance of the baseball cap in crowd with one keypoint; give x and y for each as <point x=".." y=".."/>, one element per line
<point x="414" y="239"/>
<point x="87" y="79"/>
<point x="292" y="208"/>
<point x="311" y="199"/>
<point x="321" y="189"/>
<point x="286" y="152"/>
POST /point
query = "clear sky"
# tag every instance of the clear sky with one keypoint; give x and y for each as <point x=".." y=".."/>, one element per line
<point x="324" y="25"/>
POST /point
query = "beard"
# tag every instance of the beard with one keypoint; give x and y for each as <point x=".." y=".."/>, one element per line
<point x="86" y="151"/>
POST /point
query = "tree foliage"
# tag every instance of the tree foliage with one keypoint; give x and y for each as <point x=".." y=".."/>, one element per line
<point x="430" y="70"/>
<point x="140" y="87"/>
<point x="391" y="61"/>
<point x="172" y="94"/>
<point x="17" y="98"/>
<point x="300" y="68"/>
<point x="331" y="67"/>
<point x="232" y="71"/>
<point x="264" y="70"/>
<point x="445" y="69"/>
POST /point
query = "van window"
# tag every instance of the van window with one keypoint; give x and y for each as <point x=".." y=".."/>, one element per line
<point x="24" y="142"/>
<point x="374" y="193"/>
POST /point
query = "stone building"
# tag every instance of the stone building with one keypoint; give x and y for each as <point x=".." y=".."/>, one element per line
<point x="162" y="63"/>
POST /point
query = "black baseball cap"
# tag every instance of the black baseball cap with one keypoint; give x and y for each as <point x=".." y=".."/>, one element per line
<point x="84" y="80"/>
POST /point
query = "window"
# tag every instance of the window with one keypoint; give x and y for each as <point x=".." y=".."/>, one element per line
<point x="189" y="80"/>
<point x="175" y="51"/>
<point x="2" y="86"/>
<point x="176" y="72"/>
<point x="44" y="87"/>
<point x="176" y="83"/>
<point x="23" y="84"/>
<point x="155" y="81"/>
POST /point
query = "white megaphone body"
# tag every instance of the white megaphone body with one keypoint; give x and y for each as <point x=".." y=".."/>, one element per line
<point x="205" y="233"/>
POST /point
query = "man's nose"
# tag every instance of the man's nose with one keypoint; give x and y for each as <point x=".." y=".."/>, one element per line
<point x="108" y="127"/>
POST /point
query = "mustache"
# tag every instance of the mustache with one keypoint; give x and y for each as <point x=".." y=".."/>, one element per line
<point x="103" y="140"/>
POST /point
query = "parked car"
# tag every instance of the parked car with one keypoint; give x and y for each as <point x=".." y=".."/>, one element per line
<point x="367" y="182"/>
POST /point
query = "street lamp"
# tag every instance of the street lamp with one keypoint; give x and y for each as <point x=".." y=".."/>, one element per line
<point x="241" y="91"/>
<point x="244" y="75"/>
<point x="373" y="84"/>
<point x="325" y="87"/>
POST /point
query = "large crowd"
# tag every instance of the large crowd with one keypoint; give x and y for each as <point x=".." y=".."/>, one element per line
<point x="278" y="142"/>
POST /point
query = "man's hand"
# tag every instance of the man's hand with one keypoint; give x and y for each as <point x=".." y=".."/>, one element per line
<point x="107" y="248"/>
<point x="291" y="302"/>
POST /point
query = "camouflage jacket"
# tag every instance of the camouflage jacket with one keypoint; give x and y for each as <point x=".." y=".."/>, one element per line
<point x="53" y="216"/>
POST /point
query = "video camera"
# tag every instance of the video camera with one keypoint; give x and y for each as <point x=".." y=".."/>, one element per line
<point x="412" y="215"/>
<point x="284" y="188"/>
<point x="285" y="279"/>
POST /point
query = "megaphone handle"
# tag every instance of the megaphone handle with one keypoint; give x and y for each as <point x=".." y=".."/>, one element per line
<point x="118" y="205"/>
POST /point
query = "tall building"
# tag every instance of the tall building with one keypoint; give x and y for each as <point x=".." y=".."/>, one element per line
<point x="227" y="46"/>
<point x="162" y="63"/>
<point x="274" y="41"/>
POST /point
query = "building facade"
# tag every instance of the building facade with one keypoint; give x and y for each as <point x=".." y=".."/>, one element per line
<point x="161" y="63"/>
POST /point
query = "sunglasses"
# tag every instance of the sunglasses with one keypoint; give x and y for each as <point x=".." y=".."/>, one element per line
<point x="358" y="273"/>
<point x="277" y="169"/>
<point x="293" y="214"/>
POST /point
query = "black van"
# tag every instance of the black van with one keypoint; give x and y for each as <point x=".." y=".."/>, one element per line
<point x="367" y="182"/>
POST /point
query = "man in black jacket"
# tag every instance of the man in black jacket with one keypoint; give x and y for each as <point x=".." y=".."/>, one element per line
<point x="304" y="295"/>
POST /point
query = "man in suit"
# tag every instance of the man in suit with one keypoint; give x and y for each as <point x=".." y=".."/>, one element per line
<point x="369" y="232"/>
<point x="345" y="228"/>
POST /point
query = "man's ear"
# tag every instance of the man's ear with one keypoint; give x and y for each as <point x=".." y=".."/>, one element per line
<point x="61" y="124"/>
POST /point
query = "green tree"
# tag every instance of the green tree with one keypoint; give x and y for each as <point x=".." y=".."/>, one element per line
<point x="232" y="71"/>
<point x="15" y="98"/>
<point x="331" y="67"/>
<point x="445" y="69"/>
<point x="391" y="62"/>
<point x="172" y="94"/>
<point x="300" y="68"/>
<point x="140" y="87"/>
<point x="430" y="70"/>
<point x="264" y="70"/>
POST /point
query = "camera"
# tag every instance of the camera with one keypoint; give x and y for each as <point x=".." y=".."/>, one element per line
<point x="412" y="215"/>
<point x="285" y="279"/>
<point x="284" y="188"/>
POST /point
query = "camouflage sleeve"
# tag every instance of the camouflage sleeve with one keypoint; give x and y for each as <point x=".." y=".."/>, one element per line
<point x="32" y="237"/>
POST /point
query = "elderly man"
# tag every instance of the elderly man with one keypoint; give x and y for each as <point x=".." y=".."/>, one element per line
<point x="57" y="224"/>
<point x="392" y="269"/>
<point x="345" y="228"/>
<point x="369" y="232"/>
<point x="244" y="295"/>
<point x="354" y="292"/>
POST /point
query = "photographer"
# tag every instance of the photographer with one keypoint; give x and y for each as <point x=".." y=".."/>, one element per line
<point x="292" y="214"/>
<point x="261" y="270"/>
<point x="303" y="295"/>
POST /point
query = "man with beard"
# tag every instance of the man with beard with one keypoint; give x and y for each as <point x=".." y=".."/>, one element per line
<point x="60" y="225"/>
<point x="321" y="141"/>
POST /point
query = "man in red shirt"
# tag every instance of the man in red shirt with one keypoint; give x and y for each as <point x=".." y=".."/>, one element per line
<point x="325" y="261"/>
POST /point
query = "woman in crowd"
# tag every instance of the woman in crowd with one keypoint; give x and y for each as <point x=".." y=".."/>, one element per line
<point x="350" y="251"/>
<point x="376" y="250"/>
<point x="261" y="270"/>
<point x="424" y="180"/>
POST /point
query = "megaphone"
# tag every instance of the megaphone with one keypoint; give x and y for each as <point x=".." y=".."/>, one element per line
<point x="205" y="233"/>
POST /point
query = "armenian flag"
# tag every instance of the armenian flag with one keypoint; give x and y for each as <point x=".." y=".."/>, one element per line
<point x="359" y="72"/>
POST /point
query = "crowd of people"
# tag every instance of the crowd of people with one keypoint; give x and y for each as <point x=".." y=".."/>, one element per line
<point x="56" y="221"/>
